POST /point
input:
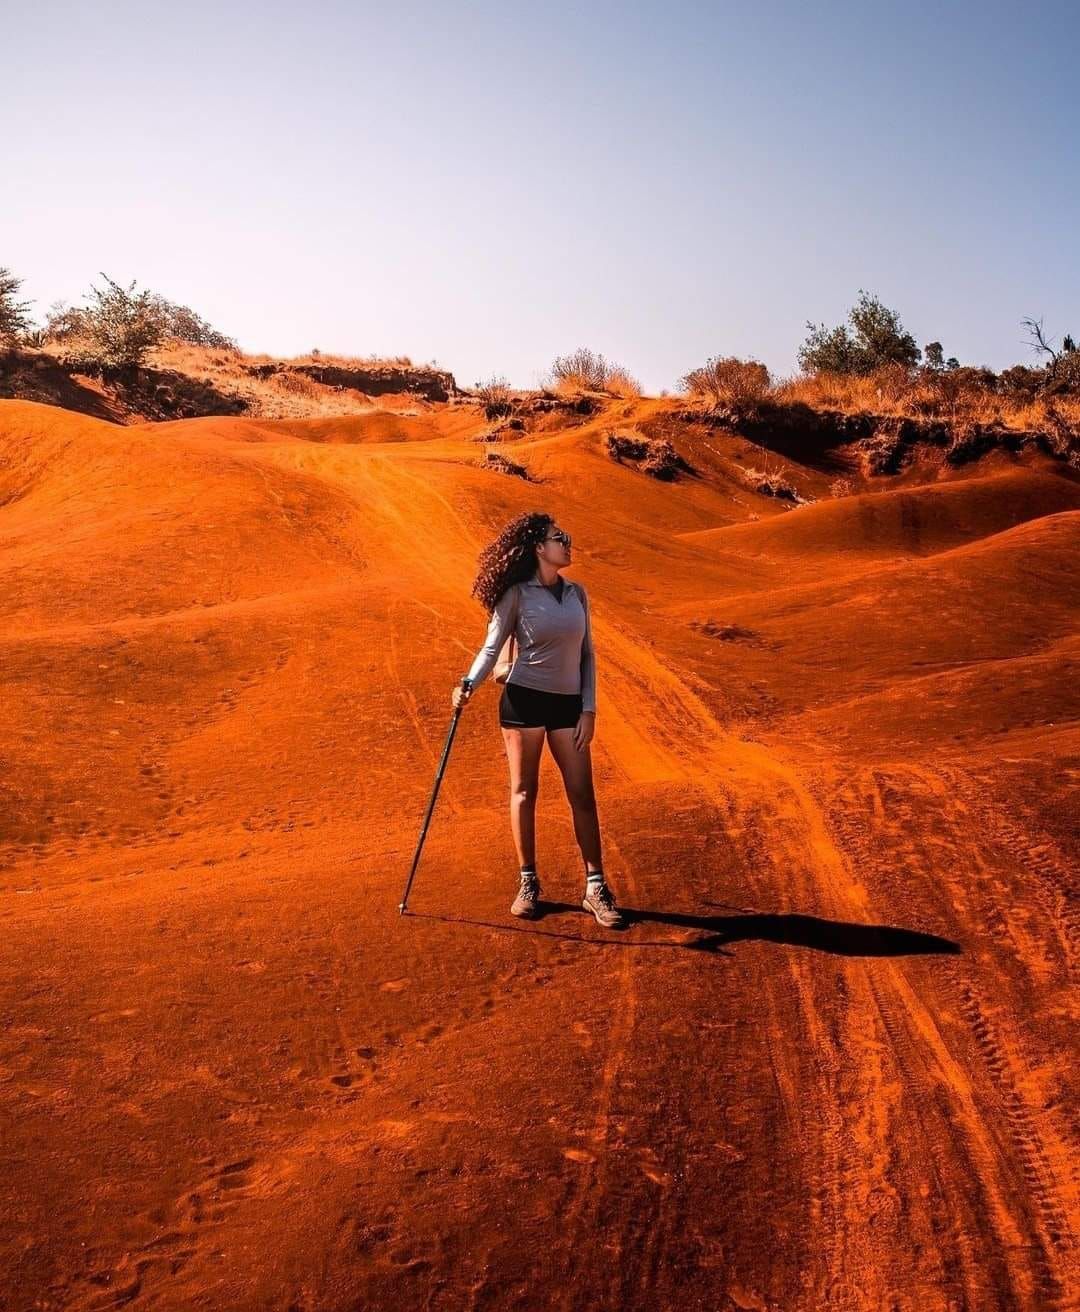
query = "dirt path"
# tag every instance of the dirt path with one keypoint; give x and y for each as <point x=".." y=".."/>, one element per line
<point x="829" y="1066"/>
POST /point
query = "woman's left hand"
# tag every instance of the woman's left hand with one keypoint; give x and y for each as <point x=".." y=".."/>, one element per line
<point x="586" y="727"/>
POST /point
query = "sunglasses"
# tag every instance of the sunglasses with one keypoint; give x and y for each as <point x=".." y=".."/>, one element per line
<point x="559" y="536"/>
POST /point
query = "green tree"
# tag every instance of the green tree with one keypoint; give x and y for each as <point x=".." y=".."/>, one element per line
<point x="14" y="320"/>
<point x="934" y="358"/>
<point x="876" y="337"/>
<point x="122" y="325"/>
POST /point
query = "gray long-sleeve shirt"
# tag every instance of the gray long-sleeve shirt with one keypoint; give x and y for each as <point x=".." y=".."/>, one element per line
<point x="554" y="639"/>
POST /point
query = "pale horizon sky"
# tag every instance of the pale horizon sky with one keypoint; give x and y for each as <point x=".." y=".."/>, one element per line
<point x="491" y="185"/>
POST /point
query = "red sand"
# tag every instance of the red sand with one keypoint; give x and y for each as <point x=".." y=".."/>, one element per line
<point x="830" y="1065"/>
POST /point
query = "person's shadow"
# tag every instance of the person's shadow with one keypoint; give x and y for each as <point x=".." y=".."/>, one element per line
<point x="846" y="938"/>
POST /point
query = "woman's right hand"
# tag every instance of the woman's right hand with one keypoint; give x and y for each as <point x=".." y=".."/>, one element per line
<point x="460" y="696"/>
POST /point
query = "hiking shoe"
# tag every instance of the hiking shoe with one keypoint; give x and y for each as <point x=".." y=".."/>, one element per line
<point x="601" y="902"/>
<point x="524" y="904"/>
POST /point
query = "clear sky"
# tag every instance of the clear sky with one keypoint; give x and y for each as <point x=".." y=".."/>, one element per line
<point x="488" y="185"/>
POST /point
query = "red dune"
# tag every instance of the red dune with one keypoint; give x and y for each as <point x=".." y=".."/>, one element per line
<point x="901" y="521"/>
<point x="829" y="1065"/>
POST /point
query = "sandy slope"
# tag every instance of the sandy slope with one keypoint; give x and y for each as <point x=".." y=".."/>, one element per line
<point x="830" y="1065"/>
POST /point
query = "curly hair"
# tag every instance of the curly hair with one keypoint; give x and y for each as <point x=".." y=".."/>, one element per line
<point x="511" y="558"/>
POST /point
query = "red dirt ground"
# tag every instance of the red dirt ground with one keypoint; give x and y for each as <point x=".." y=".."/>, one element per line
<point x="830" y="1065"/>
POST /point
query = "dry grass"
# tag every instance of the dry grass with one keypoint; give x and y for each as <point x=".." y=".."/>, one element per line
<point x="224" y="380"/>
<point x="188" y="358"/>
<point x="948" y="396"/>
<point x="296" y="384"/>
<point x="958" y="397"/>
<point x="281" y="395"/>
<point x="372" y="362"/>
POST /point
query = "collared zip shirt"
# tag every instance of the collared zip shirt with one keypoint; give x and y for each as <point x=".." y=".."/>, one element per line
<point x="554" y="639"/>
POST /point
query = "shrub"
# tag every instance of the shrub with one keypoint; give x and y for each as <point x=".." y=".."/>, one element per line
<point x="63" y="322"/>
<point x="14" y="320"/>
<point x="496" y="460"/>
<point x="877" y="338"/>
<point x="619" y="447"/>
<point x="586" y="371"/>
<point x="494" y="397"/>
<point x="727" y="381"/>
<point x="582" y="369"/>
<point x="620" y="383"/>
<point x="772" y="485"/>
<point x="1063" y="375"/>
<point x="662" y="461"/>
<point x="969" y="377"/>
<point x="506" y="431"/>
<point x="179" y="323"/>
<point x="1021" y="381"/>
<point x="117" y="328"/>
<point x="951" y="390"/>
<point x="657" y="456"/>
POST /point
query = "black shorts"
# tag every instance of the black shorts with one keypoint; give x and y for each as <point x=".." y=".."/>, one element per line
<point x="532" y="708"/>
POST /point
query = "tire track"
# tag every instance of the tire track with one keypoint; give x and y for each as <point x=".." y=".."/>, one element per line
<point x="938" y="1096"/>
<point x="1054" y="882"/>
<point x="1046" y="1241"/>
<point x="1026" y="1139"/>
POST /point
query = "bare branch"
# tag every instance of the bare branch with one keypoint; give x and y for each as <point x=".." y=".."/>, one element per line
<point x="1040" y="343"/>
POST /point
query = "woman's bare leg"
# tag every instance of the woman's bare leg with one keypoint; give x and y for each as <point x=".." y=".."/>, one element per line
<point x="576" y="770"/>
<point x="523" y="748"/>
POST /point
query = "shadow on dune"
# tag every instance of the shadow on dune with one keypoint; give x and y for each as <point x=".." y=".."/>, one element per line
<point x="841" y="937"/>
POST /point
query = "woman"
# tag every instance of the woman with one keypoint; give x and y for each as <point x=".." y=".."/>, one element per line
<point x="550" y="693"/>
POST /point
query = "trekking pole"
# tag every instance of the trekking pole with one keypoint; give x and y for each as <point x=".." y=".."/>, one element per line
<point x="467" y="684"/>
